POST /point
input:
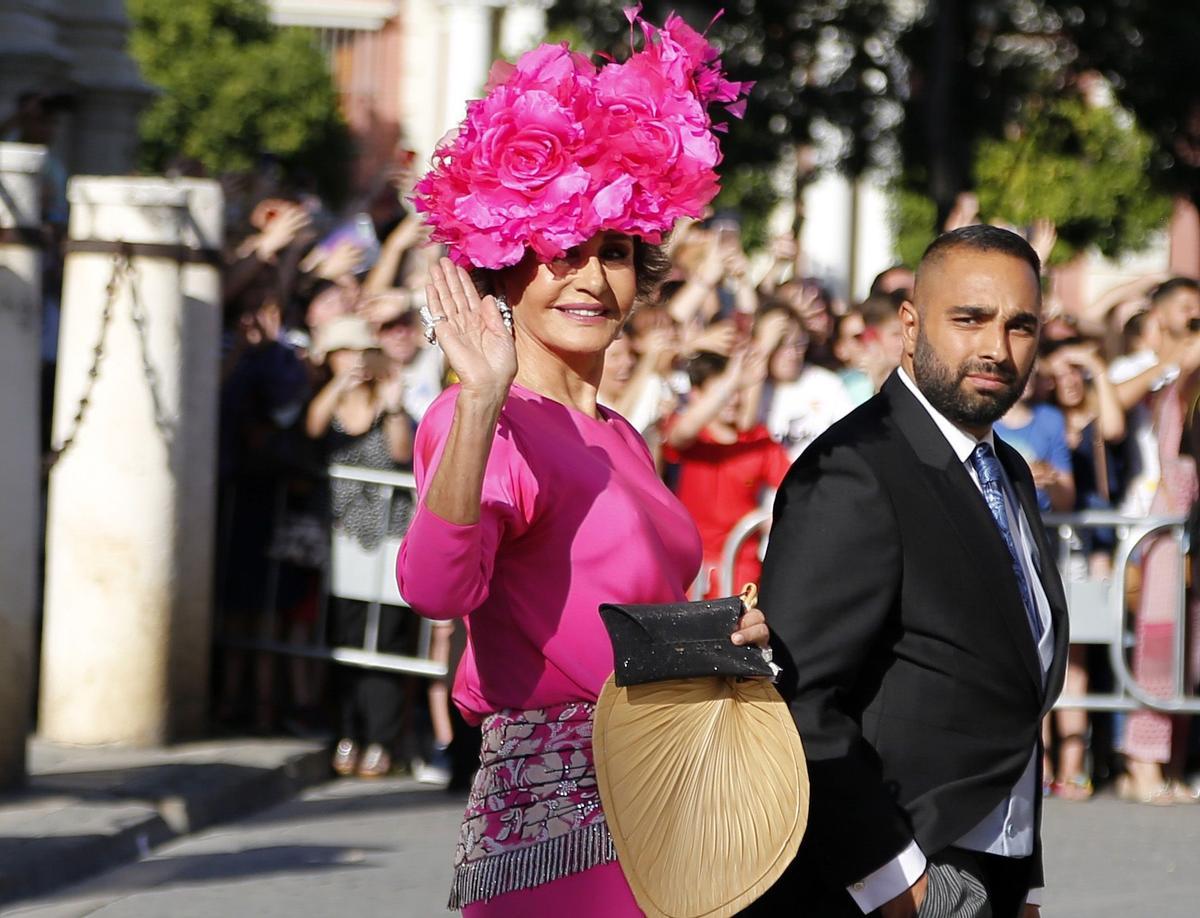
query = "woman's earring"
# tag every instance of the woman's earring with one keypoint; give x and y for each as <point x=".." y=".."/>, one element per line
<point x="505" y="311"/>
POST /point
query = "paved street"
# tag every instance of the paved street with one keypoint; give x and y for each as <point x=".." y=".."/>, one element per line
<point x="360" y="848"/>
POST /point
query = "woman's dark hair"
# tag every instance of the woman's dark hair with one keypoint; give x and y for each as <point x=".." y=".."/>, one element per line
<point x="1132" y="331"/>
<point x="704" y="366"/>
<point x="1050" y="345"/>
<point x="774" y="303"/>
<point x="650" y="266"/>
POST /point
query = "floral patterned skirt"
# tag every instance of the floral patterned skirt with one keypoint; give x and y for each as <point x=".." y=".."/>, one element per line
<point x="534" y="812"/>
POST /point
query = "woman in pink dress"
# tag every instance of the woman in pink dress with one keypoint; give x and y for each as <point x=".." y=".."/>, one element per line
<point x="536" y="503"/>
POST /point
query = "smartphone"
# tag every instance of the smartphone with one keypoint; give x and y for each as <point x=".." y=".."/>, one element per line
<point x="361" y="231"/>
<point x="728" y="233"/>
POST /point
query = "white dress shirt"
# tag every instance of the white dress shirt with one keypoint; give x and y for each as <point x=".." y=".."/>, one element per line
<point x="1010" y="829"/>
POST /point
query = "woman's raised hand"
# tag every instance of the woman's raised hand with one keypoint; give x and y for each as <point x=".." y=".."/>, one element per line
<point x="477" y="344"/>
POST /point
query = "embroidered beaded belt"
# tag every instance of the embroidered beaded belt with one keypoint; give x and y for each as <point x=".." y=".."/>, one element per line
<point x="534" y="812"/>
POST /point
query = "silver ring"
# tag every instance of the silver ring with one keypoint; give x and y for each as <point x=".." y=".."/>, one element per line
<point x="429" y="323"/>
<point x="768" y="655"/>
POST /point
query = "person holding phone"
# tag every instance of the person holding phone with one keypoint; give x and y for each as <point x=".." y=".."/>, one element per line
<point x="360" y="419"/>
<point x="1095" y="431"/>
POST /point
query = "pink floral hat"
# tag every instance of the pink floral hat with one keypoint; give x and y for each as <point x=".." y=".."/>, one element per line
<point x="560" y="148"/>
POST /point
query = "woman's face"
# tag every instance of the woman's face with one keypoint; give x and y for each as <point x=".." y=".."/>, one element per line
<point x="1070" y="389"/>
<point x="848" y="347"/>
<point x="400" y="340"/>
<point x="329" y="304"/>
<point x="810" y="305"/>
<point x="788" y="360"/>
<point x="619" y="361"/>
<point x="575" y="304"/>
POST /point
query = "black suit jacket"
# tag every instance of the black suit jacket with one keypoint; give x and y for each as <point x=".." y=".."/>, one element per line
<point x="914" y="678"/>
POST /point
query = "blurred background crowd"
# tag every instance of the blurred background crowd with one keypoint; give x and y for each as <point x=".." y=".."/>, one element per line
<point x="730" y="370"/>
<point x="1032" y="115"/>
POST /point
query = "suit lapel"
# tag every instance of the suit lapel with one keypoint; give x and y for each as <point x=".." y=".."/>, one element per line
<point x="969" y="516"/>
<point x="1018" y="475"/>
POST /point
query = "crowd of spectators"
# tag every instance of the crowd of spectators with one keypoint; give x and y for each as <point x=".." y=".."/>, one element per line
<point x="730" y="370"/>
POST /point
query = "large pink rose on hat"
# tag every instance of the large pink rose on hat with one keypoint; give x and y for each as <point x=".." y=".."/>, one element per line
<point x="559" y="149"/>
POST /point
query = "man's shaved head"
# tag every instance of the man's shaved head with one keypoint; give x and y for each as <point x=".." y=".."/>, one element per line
<point x="978" y="238"/>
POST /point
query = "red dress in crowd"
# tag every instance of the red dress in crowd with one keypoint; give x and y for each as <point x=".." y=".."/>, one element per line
<point x="720" y="483"/>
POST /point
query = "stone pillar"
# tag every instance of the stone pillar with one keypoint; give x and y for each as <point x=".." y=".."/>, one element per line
<point x="129" y="532"/>
<point x="20" y="378"/>
<point x="110" y="92"/>
<point x="31" y="57"/>
<point x="196" y="447"/>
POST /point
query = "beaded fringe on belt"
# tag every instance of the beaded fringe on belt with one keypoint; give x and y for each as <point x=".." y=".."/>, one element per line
<point x="534" y="812"/>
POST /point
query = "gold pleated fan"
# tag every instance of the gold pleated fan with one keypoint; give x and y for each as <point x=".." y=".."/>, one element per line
<point x="705" y="790"/>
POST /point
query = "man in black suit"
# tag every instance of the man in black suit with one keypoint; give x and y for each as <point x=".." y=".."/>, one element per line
<point x="910" y="580"/>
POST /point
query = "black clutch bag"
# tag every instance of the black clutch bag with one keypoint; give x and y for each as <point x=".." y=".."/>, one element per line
<point x="680" y="640"/>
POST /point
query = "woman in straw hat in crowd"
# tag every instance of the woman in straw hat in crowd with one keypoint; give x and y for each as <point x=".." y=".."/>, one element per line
<point x="358" y="417"/>
<point x="537" y="504"/>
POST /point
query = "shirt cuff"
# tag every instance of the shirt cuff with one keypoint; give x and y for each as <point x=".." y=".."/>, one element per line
<point x="1034" y="897"/>
<point x="890" y="880"/>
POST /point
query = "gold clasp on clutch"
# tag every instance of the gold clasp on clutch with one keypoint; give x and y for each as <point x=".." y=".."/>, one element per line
<point x="749" y="596"/>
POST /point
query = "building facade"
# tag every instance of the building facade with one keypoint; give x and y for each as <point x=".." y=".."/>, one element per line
<point x="405" y="68"/>
<point x="72" y="54"/>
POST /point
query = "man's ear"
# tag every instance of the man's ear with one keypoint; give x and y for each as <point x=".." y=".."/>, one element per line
<point x="910" y="326"/>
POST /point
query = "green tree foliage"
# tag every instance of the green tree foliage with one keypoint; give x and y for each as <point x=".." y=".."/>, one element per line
<point x="1087" y="168"/>
<point x="970" y="66"/>
<point x="235" y="87"/>
<point x="976" y="116"/>
<point x="1147" y="50"/>
<point x="946" y="94"/>
<point x="815" y="62"/>
<point x="748" y="189"/>
<point x="913" y="216"/>
<point x="821" y="67"/>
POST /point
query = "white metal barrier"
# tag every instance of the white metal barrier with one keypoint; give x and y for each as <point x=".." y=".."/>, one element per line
<point x="355" y="573"/>
<point x="1096" y="607"/>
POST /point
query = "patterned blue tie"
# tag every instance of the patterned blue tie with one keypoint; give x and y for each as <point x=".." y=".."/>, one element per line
<point x="991" y="481"/>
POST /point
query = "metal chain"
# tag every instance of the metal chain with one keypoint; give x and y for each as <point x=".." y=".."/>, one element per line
<point x="122" y="269"/>
<point x="136" y="312"/>
<point x="120" y="264"/>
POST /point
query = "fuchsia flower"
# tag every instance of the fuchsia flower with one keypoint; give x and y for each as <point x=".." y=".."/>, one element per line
<point x="559" y="149"/>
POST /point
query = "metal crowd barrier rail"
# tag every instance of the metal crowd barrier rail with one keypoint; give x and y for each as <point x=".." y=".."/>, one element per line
<point x="353" y="572"/>
<point x="1097" y="607"/>
<point x="1098" y="613"/>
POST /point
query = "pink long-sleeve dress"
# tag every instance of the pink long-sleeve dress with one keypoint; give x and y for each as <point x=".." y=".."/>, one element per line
<point x="573" y="515"/>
